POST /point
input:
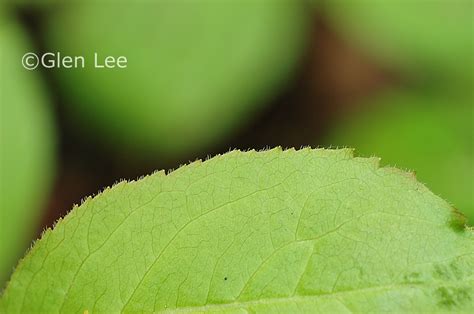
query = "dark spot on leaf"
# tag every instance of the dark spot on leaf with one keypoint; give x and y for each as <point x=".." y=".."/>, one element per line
<point x="457" y="221"/>
<point x="441" y="271"/>
<point x="414" y="277"/>
<point x="225" y="278"/>
<point x="452" y="297"/>
<point x="448" y="272"/>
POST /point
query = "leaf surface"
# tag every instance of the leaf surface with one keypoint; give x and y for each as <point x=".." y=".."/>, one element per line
<point x="287" y="231"/>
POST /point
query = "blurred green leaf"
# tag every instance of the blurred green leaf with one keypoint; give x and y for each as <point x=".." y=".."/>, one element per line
<point x="432" y="136"/>
<point x="433" y="40"/>
<point x="26" y="137"/>
<point x="267" y="232"/>
<point x="197" y="70"/>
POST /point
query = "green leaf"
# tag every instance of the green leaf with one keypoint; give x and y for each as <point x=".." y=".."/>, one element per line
<point x="197" y="70"/>
<point x="429" y="134"/>
<point x="26" y="145"/>
<point x="275" y="231"/>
